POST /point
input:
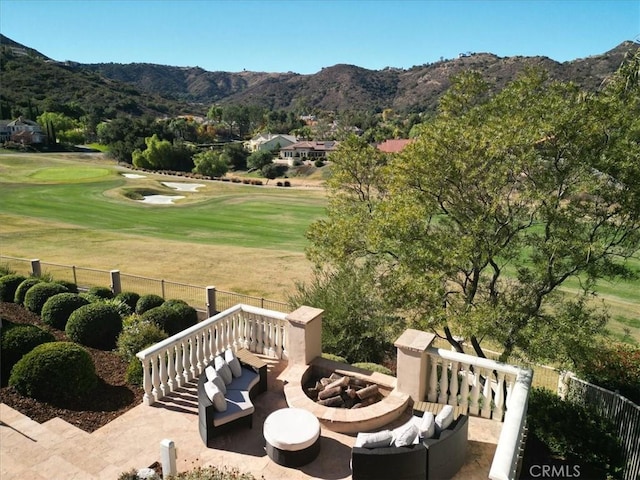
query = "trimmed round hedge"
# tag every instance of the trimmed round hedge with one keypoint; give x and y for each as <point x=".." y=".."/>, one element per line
<point x="100" y="292"/>
<point x="71" y="287"/>
<point x="16" y="340"/>
<point x="57" y="309"/>
<point x="23" y="288"/>
<point x="147" y="302"/>
<point x="36" y="296"/>
<point x="95" y="325"/>
<point x="8" y="285"/>
<point x="54" y="372"/>
<point x="188" y="314"/>
<point x="130" y="298"/>
<point x="167" y="318"/>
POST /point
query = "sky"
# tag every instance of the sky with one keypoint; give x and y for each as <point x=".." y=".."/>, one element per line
<point x="303" y="36"/>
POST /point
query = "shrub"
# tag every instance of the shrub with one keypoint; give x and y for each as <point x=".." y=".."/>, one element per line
<point x="614" y="367"/>
<point x="123" y="309"/>
<point x="573" y="431"/>
<point x="54" y="372"/>
<point x="71" y="287"/>
<point x="167" y="318"/>
<point x="147" y="302"/>
<point x="335" y="358"/>
<point x="23" y="288"/>
<point x="100" y="292"/>
<point x="373" y="367"/>
<point x="36" y="296"/>
<point x="130" y="298"/>
<point x="134" y="372"/>
<point x="95" y="325"/>
<point x="57" y="309"/>
<point x="138" y="336"/>
<point x="8" y="285"/>
<point x="188" y="314"/>
<point x="17" y="340"/>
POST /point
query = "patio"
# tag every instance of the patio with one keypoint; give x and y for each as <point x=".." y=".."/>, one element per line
<point x="170" y="410"/>
<point x="31" y="450"/>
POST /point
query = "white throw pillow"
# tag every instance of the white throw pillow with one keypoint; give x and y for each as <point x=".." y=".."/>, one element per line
<point x="427" y="426"/>
<point x="375" y="439"/>
<point x="405" y="434"/>
<point x="233" y="362"/>
<point x="444" y="418"/>
<point x="213" y="377"/>
<point x="216" y="397"/>
<point x="223" y="370"/>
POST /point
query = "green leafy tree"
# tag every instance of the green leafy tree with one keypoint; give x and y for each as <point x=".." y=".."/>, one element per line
<point x="210" y="163"/>
<point x="273" y="170"/>
<point x="259" y="159"/>
<point x="497" y="204"/>
<point x="156" y="156"/>
<point x="235" y="155"/>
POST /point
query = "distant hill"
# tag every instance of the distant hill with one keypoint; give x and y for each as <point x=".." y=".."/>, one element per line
<point x="160" y="89"/>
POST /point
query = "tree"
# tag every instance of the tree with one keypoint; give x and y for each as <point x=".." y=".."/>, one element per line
<point x="273" y="170"/>
<point x="210" y="163"/>
<point x="498" y="203"/>
<point x="235" y="155"/>
<point x="259" y="159"/>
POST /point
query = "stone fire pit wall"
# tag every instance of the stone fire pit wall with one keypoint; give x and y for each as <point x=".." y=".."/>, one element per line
<point x="305" y="344"/>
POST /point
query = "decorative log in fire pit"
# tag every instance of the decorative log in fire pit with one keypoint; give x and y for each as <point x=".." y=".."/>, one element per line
<point x="342" y="391"/>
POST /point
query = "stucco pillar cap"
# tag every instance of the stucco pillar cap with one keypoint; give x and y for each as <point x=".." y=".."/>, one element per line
<point x="414" y="340"/>
<point x="304" y="315"/>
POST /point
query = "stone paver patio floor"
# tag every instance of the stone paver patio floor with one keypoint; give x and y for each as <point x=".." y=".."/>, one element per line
<point x="57" y="449"/>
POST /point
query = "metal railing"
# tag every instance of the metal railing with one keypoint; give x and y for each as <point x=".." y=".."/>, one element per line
<point x="202" y="298"/>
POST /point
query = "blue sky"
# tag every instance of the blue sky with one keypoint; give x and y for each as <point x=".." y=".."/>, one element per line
<point x="304" y="35"/>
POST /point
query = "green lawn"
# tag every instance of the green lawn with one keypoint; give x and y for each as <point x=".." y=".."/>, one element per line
<point x="243" y="238"/>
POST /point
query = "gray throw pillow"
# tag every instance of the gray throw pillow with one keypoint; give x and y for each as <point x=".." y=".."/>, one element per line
<point x="233" y="362"/>
<point x="223" y="370"/>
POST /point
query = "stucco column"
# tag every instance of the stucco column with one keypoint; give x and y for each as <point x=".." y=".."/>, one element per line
<point x="412" y="363"/>
<point x="304" y="331"/>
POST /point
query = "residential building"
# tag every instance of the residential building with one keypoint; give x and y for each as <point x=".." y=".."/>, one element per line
<point x="394" y="145"/>
<point x="23" y="131"/>
<point x="270" y="141"/>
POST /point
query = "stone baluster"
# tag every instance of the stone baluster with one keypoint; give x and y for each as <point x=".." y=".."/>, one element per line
<point x="444" y="383"/>
<point x="200" y="356"/>
<point x="271" y="335"/>
<point x="277" y="327"/>
<point x="453" y="385"/>
<point x="155" y="378"/>
<point x="260" y="335"/>
<point x="475" y="392"/>
<point x="235" y="332"/>
<point x="147" y="385"/>
<point x="193" y="372"/>
<point x="246" y="331"/>
<point x="171" y="362"/>
<point x="432" y="389"/>
<point x="464" y="388"/>
<point x="487" y="395"/>
<point x="498" y="410"/>
<point x="162" y="367"/>
<point x="253" y="334"/>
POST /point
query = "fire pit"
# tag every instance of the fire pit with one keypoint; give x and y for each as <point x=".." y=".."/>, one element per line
<point x="343" y="391"/>
<point x="301" y="380"/>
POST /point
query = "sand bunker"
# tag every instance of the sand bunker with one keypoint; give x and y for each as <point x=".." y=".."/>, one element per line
<point x="161" y="199"/>
<point x="133" y="175"/>
<point x="184" y="187"/>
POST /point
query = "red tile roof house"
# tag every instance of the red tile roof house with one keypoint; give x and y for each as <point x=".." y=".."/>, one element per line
<point x="394" y="145"/>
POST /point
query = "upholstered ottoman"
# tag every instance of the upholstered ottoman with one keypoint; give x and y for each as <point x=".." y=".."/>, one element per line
<point x="292" y="436"/>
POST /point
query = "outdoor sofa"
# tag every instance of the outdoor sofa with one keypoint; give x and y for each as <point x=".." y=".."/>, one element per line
<point x="436" y="458"/>
<point x="240" y="392"/>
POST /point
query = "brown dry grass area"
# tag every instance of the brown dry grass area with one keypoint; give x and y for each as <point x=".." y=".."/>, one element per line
<point x="112" y="397"/>
<point x="264" y="273"/>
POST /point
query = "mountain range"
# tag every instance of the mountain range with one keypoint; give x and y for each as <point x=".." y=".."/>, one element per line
<point x="28" y="76"/>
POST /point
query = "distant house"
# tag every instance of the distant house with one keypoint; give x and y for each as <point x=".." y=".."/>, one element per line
<point x="22" y="131"/>
<point x="394" y="145"/>
<point x="308" y="150"/>
<point x="270" y="141"/>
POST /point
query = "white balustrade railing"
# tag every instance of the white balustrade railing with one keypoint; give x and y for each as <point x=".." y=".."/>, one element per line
<point x="172" y="363"/>
<point x="477" y="385"/>
<point x="488" y="389"/>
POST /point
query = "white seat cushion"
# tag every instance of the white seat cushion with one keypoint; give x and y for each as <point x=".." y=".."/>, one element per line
<point x="444" y="418"/>
<point x="246" y="381"/>
<point x="233" y="362"/>
<point x="213" y="377"/>
<point x="379" y="439"/>
<point x="291" y="429"/>
<point x="238" y="405"/>
<point x="216" y="396"/>
<point x="223" y="369"/>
